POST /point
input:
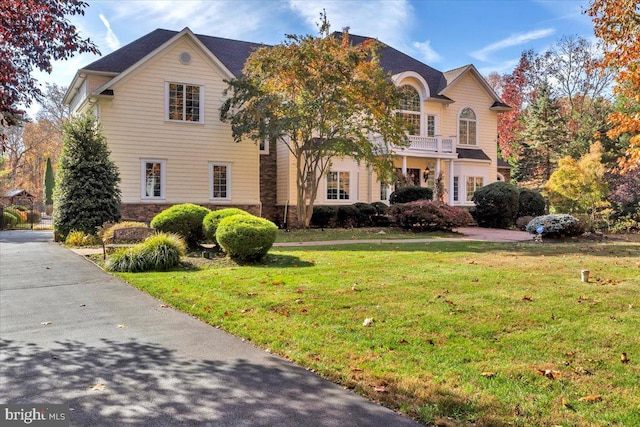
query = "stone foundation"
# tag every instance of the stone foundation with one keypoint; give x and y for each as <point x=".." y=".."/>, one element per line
<point x="144" y="212"/>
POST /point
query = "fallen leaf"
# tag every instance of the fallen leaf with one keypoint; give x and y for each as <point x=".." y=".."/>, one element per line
<point x="277" y="282"/>
<point x="550" y="373"/>
<point x="122" y="326"/>
<point x="564" y="401"/>
<point x="380" y="389"/>
<point x="207" y="308"/>
<point x="488" y="374"/>
<point x="164" y="306"/>
<point x="582" y="371"/>
<point x="252" y="294"/>
<point x="591" y="399"/>
<point x="46" y="323"/>
<point x="527" y="298"/>
<point x="83" y="305"/>
<point x="403" y="341"/>
<point x="228" y="313"/>
<point x="175" y="290"/>
<point x="624" y="358"/>
<point x="367" y="322"/>
<point x="97" y="387"/>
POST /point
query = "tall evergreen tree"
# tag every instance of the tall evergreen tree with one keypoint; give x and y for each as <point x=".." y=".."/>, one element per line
<point x="86" y="193"/>
<point x="544" y="138"/>
<point x="49" y="182"/>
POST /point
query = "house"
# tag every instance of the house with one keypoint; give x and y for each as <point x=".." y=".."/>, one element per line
<point x="19" y="197"/>
<point x="158" y="101"/>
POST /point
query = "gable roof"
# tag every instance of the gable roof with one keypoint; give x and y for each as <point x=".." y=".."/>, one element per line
<point x="455" y="75"/>
<point x="232" y="54"/>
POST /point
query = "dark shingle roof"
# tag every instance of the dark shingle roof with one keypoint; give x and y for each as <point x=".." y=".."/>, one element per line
<point x="504" y="165"/>
<point x="472" y="153"/>
<point x="232" y="53"/>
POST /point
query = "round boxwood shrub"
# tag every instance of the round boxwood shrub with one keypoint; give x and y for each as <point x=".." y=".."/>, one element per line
<point x="246" y="237"/>
<point x="212" y="220"/>
<point x="185" y="220"/>
<point x="323" y="216"/>
<point x="347" y="216"/>
<point x="380" y="207"/>
<point x="364" y="212"/>
<point x="159" y="252"/>
<point x="430" y="215"/>
<point x="496" y="205"/>
<point x="530" y="203"/>
<point x="410" y="193"/>
<point x="558" y="225"/>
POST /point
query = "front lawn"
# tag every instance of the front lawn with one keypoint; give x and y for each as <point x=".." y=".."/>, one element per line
<point x="364" y="233"/>
<point x="458" y="332"/>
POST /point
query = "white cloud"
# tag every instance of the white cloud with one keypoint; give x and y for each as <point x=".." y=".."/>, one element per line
<point x="501" y="68"/>
<point x="513" y="40"/>
<point x="111" y="38"/>
<point x="427" y="52"/>
<point x="387" y="21"/>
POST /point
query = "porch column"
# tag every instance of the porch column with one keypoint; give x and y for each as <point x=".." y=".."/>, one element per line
<point x="404" y="165"/>
<point x="451" y="182"/>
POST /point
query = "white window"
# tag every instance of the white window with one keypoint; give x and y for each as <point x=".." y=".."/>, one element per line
<point x="473" y="183"/>
<point x="338" y="185"/>
<point x="410" y="109"/>
<point x="384" y="191"/>
<point x="184" y="102"/>
<point x="468" y="127"/>
<point x="220" y="181"/>
<point x="153" y="179"/>
<point x="264" y="146"/>
<point x="431" y="126"/>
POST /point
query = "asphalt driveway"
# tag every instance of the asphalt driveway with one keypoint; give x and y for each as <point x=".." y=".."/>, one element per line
<point x="70" y="333"/>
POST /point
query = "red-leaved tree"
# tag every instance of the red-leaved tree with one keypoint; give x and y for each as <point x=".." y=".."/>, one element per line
<point x="32" y="34"/>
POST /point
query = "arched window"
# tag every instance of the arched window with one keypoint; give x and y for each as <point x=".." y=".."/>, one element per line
<point x="467" y="124"/>
<point x="410" y="109"/>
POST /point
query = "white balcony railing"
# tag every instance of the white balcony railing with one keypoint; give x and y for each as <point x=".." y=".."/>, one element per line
<point x="427" y="144"/>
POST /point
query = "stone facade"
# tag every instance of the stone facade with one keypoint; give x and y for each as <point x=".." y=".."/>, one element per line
<point x="144" y="212"/>
<point x="268" y="185"/>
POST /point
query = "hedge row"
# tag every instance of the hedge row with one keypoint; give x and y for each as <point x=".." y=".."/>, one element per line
<point x="356" y="215"/>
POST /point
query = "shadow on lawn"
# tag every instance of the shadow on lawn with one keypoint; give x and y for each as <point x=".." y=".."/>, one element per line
<point x="146" y="384"/>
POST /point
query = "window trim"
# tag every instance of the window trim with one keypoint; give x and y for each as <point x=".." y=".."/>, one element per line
<point x="435" y="125"/>
<point x="475" y="186"/>
<point x="143" y="178"/>
<point x="263" y="146"/>
<point x="200" y="102"/>
<point x="475" y="142"/>
<point x="418" y="113"/>
<point x="211" y="194"/>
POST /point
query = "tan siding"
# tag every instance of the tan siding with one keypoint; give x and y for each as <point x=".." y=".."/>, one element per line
<point x="135" y="126"/>
<point x="96" y="81"/>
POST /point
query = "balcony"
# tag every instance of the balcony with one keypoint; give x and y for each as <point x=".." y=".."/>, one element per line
<point x="425" y="144"/>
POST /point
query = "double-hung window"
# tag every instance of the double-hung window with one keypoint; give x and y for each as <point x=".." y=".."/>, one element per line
<point x="473" y="183"/>
<point x="431" y="126"/>
<point x="338" y="185"/>
<point x="220" y="181"/>
<point x="153" y="179"/>
<point x="184" y="102"/>
<point x="468" y="127"/>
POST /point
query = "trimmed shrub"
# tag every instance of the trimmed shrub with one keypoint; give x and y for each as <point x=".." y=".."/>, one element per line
<point x="430" y="215"/>
<point x="17" y="214"/>
<point x="347" y="216"/>
<point x="20" y="208"/>
<point x="246" y="237"/>
<point x="561" y="225"/>
<point x="410" y="193"/>
<point x="185" y="219"/>
<point x="364" y="212"/>
<point x="9" y="220"/>
<point x="106" y="233"/>
<point x="33" y="217"/>
<point x="323" y="216"/>
<point x="78" y="238"/>
<point x="159" y="252"/>
<point x="212" y="220"/>
<point x="530" y="203"/>
<point x="496" y="205"/>
<point x="380" y="207"/>
<point x="521" y="223"/>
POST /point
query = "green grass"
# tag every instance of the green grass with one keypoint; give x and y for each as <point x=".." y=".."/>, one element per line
<point x="371" y="233"/>
<point x="445" y="313"/>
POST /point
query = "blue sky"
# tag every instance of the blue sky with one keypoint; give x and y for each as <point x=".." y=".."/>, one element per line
<point x="445" y="34"/>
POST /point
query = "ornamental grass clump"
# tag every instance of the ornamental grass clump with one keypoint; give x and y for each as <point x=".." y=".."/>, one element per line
<point x="185" y="220"/>
<point x="246" y="237"/>
<point x="212" y="220"/>
<point x="159" y="252"/>
<point x="558" y="225"/>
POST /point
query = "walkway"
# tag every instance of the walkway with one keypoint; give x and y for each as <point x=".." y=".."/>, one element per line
<point x="70" y="333"/>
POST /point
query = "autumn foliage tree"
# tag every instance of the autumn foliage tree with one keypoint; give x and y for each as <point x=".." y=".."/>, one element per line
<point x="323" y="97"/>
<point x="33" y="33"/>
<point x="617" y="24"/>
